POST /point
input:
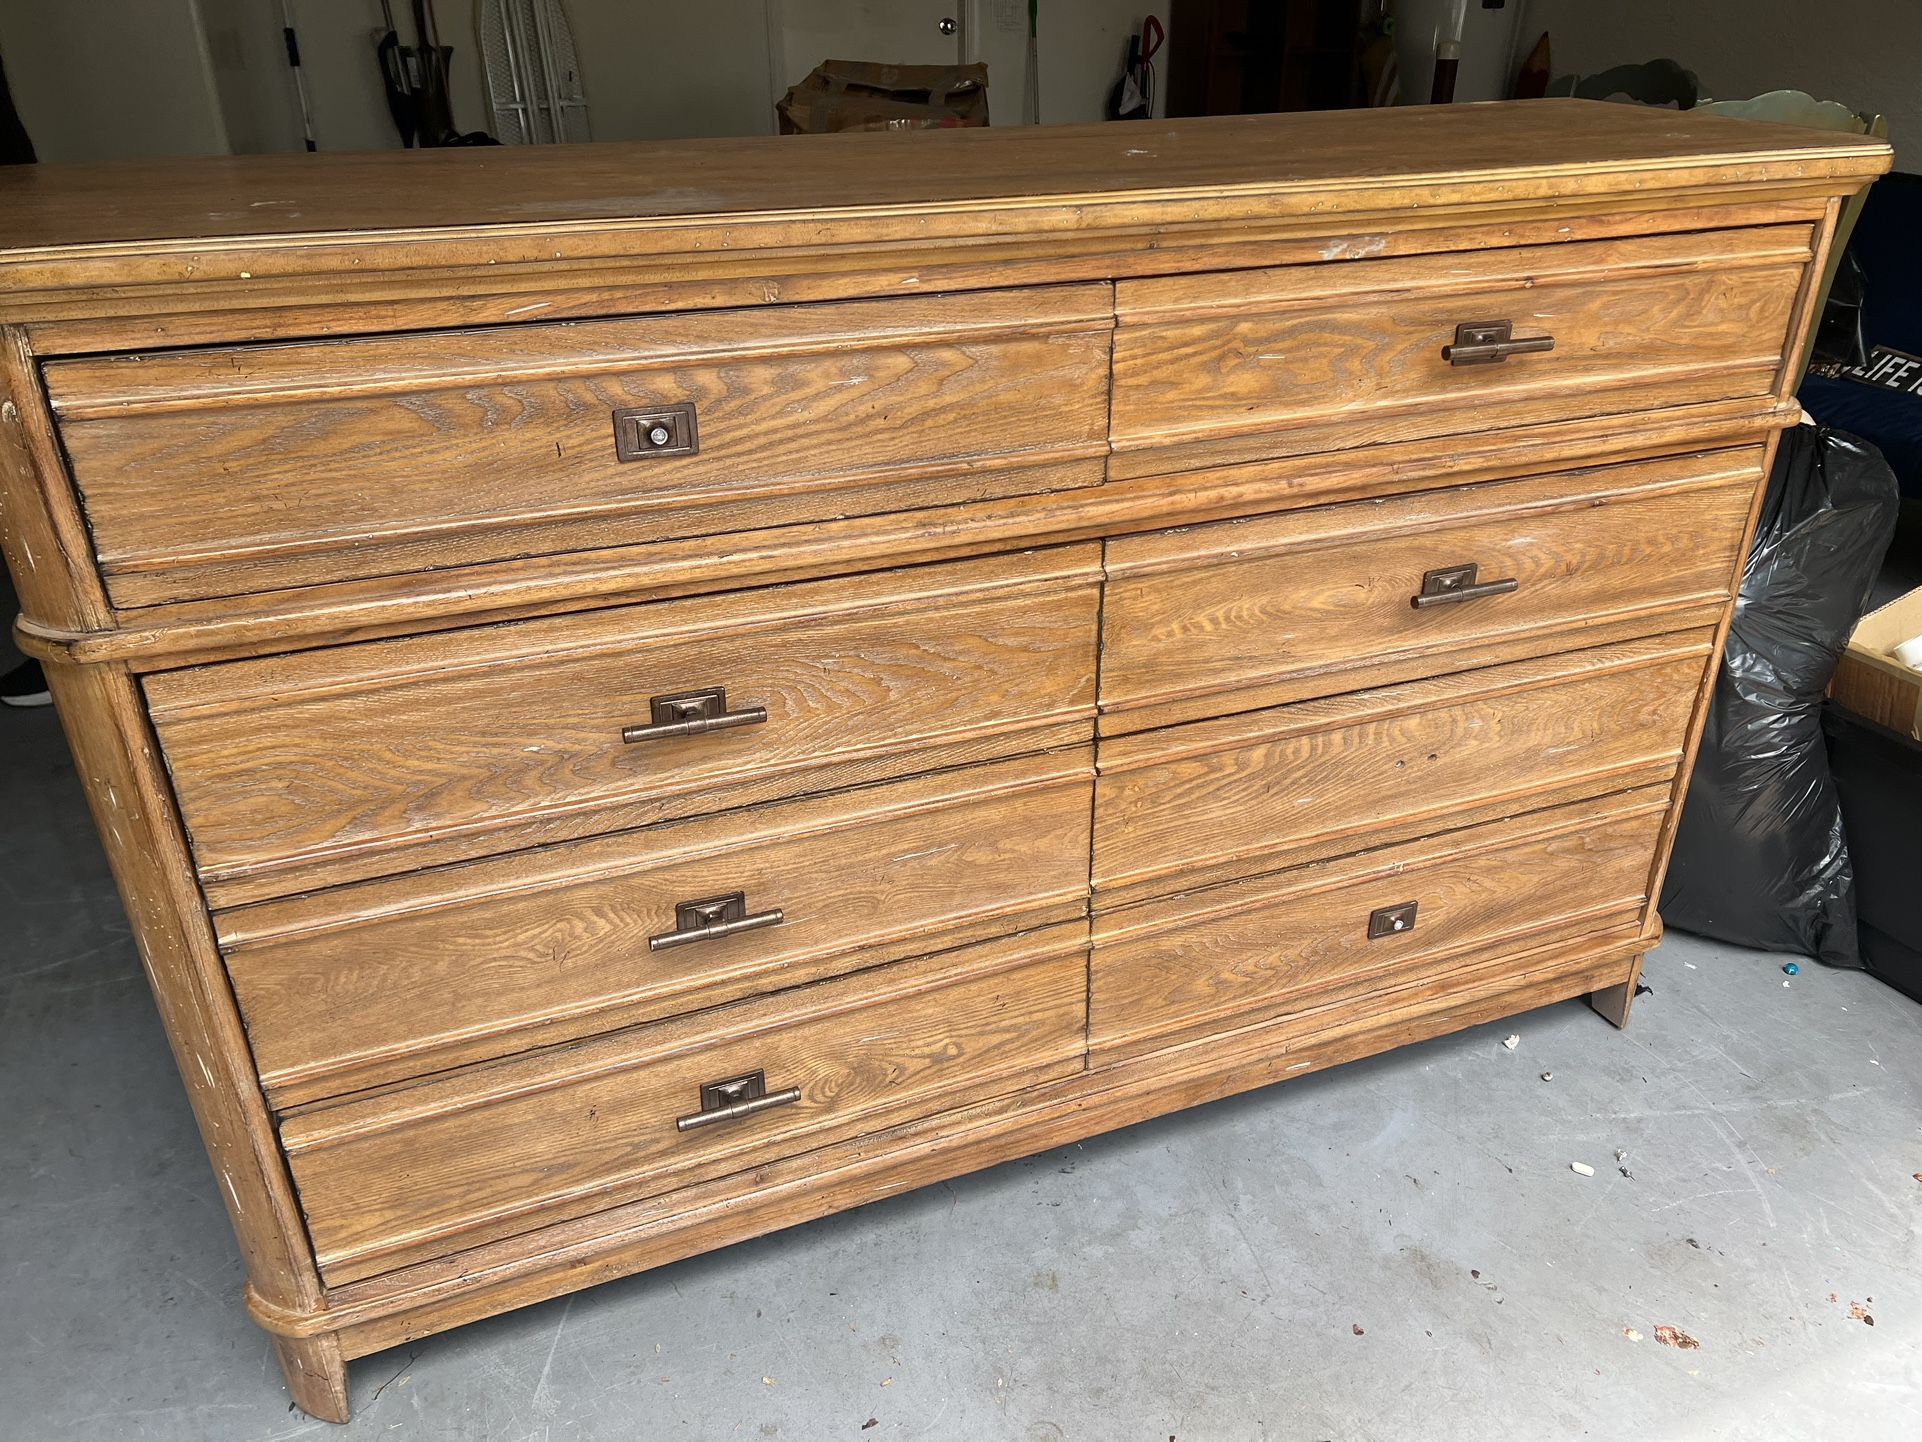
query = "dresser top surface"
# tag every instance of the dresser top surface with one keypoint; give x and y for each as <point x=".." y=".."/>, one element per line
<point x="239" y="198"/>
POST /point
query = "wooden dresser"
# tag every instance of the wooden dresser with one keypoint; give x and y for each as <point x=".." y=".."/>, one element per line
<point x="639" y="695"/>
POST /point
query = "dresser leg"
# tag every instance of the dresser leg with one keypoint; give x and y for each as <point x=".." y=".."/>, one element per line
<point x="316" y="1375"/>
<point x="1614" y="1002"/>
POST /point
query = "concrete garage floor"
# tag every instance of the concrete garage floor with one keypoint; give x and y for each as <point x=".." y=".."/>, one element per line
<point x="1394" y="1249"/>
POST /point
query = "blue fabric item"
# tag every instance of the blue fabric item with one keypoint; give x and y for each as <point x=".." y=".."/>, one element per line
<point x="1885" y="243"/>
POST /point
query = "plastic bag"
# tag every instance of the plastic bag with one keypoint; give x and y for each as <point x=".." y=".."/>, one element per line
<point x="1760" y="856"/>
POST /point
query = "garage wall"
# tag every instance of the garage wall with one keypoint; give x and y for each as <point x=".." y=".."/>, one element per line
<point x="1865" y="53"/>
<point x="1083" y="44"/>
<point x="109" y="78"/>
<point x="249" y="73"/>
<point x="112" y="78"/>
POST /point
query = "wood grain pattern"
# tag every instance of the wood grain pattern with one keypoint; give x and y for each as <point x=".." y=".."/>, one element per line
<point x="119" y="768"/>
<point x="187" y="255"/>
<point x="388" y="613"/>
<point x="316" y="1371"/>
<point x="485" y="1153"/>
<point x="1213" y="800"/>
<point x="1174" y="240"/>
<point x="384" y="1311"/>
<point x="1328" y="161"/>
<point x="1193" y="965"/>
<point x="196" y="632"/>
<point x="357" y="986"/>
<point x="1252" y="613"/>
<point x="377" y="758"/>
<point x="375" y="457"/>
<point x="1218" y="368"/>
<point x="42" y="534"/>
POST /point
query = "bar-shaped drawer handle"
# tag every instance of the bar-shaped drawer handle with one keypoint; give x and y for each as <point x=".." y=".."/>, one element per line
<point x="733" y="1098"/>
<point x="691" y="713"/>
<point x="1446" y="585"/>
<point x="1483" y="342"/>
<point x="712" y="917"/>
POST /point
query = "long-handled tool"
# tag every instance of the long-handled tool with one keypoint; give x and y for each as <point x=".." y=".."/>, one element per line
<point x="396" y="63"/>
<point x="292" y="39"/>
<point x="1031" y="82"/>
<point x="1133" y="97"/>
<point x="436" y="108"/>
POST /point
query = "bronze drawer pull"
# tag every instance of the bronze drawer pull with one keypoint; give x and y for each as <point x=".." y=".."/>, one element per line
<point x="734" y="1098"/>
<point x="643" y="432"/>
<point x="1484" y="342"/>
<point x="691" y="713"/>
<point x="713" y="917"/>
<point x="1446" y="585"/>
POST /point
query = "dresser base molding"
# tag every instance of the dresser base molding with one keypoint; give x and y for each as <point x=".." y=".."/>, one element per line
<point x="366" y="1317"/>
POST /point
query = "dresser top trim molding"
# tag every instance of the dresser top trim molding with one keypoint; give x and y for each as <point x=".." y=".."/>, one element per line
<point x="255" y="246"/>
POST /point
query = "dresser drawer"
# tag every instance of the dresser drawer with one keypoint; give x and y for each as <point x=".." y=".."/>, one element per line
<point x="1189" y="805"/>
<point x="360" y="760"/>
<point x="1245" y="365"/>
<point x="234" y="470"/>
<point x="1211" y="960"/>
<point x="1244" y="614"/>
<point x="386" y="980"/>
<point x="496" y="1150"/>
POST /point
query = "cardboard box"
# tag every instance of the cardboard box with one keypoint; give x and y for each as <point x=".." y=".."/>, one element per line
<point x="861" y="95"/>
<point x="1871" y="682"/>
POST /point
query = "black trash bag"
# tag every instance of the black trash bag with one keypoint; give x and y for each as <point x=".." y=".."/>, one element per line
<point x="1760" y="857"/>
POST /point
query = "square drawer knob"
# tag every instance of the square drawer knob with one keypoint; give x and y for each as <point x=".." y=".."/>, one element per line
<point x="1392" y="920"/>
<point x="641" y="432"/>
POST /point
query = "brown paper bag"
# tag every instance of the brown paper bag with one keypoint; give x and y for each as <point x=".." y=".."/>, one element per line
<point x="862" y="95"/>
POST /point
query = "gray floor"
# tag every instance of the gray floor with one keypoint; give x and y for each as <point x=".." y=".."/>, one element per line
<point x="1395" y="1249"/>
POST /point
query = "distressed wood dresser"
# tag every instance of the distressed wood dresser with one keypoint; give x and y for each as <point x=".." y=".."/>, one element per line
<point x="638" y="695"/>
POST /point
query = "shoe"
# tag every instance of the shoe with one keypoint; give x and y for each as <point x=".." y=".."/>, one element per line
<point x="25" y="685"/>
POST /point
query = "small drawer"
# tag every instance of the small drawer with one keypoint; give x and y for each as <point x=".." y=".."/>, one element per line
<point x="1186" y="806"/>
<point x="385" y="980"/>
<point x="355" y="761"/>
<point x="1244" y="614"/>
<point x="243" y="469"/>
<point x="489" y="1152"/>
<point x="1247" y="365"/>
<point x="1170" y="971"/>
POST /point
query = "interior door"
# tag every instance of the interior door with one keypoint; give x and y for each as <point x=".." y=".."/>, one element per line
<point x="893" y="32"/>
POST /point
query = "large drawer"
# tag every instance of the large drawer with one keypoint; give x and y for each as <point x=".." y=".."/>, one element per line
<point x="1189" y="805"/>
<point x="496" y="1150"/>
<point x="360" y="760"/>
<point x="1212" y="960"/>
<point x="1244" y="365"/>
<point x="240" y="469"/>
<point x="384" y="980"/>
<point x="1243" y="614"/>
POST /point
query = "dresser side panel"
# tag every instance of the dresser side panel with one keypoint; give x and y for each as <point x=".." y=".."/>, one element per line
<point x="119" y="767"/>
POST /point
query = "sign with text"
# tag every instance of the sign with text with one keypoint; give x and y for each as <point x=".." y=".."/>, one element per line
<point x="1892" y="370"/>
